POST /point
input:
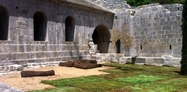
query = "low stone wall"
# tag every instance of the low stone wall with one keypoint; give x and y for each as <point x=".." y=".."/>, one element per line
<point x="157" y="61"/>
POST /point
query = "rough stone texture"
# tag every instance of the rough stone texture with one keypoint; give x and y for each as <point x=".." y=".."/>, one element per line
<point x="111" y="4"/>
<point x="157" y="61"/>
<point x="20" y="46"/>
<point x="168" y="60"/>
<point x="157" y="30"/>
<point x="150" y="30"/>
<point x="124" y="60"/>
<point x="165" y="60"/>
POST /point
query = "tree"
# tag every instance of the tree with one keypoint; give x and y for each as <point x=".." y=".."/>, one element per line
<point x="137" y="2"/>
<point x="143" y="2"/>
<point x="184" y="40"/>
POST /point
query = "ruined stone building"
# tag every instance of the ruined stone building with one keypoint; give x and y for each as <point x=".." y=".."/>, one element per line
<point x="58" y="30"/>
<point x="51" y="30"/>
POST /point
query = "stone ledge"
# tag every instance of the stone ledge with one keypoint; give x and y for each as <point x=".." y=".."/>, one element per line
<point x="157" y="61"/>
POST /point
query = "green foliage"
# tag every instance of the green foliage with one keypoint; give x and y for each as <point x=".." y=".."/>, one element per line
<point x="137" y="2"/>
<point x="143" y="2"/>
<point x="62" y="89"/>
<point x="124" y="78"/>
<point x="184" y="39"/>
<point x="167" y="1"/>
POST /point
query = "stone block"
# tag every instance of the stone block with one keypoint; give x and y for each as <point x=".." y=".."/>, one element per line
<point x="102" y="57"/>
<point x="158" y="60"/>
<point x="138" y="60"/>
<point x="176" y="62"/>
<point x="12" y="56"/>
<point x="21" y="48"/>
<point x="149" y="61"/>
<point x="124" y="60"/>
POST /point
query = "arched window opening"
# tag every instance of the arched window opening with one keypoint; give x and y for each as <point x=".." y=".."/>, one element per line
<point x="69" y="28"/>
<point x="40" y="26"/>
<point x="101" y="36"/>
<point x="4" y="21"/>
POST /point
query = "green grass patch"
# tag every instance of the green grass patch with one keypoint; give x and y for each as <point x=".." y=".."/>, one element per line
<point x="140" y="79"/>
<point x="124" y="78"/>
<point x="62" y="89"/>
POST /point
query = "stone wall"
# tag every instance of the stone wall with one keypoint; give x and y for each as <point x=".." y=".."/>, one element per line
<point x="21" y="47"/>
<point x="154" y="28"/>
<point x="149" y="31"/>
<point x="111" y="4"/>
<point x="157" y="30"/>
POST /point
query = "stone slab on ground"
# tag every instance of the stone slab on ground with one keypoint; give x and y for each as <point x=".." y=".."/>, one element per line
<point x="124" y="60"/>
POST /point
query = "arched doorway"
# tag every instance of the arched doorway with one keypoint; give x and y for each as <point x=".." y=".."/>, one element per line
<point x="118" y="46"/>
<point x="4" y="21"/>
<point x="40" y="26"/>
<point x="101" y="37"/>
<point x="69" y="28"/>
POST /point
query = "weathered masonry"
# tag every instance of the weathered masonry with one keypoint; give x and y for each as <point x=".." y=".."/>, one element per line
<point x="51" y="30"/>
<point x="155" y="31"/>
<point x="59" y="30"/>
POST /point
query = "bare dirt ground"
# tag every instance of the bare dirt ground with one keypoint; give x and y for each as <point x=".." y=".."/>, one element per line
<point x="33" y="83"/>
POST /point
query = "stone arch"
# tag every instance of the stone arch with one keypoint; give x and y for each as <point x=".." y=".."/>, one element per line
<point x="69" y="28"/>
<point x="101" y="36"/>
<point x="40" y="26"/>
<point x="4" y="21"/>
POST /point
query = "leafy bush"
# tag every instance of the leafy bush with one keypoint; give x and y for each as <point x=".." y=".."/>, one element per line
<point x="143" y="2"/>
<point x="137" y="2"/>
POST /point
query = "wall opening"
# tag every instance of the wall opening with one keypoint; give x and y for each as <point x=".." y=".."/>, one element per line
<point x="4" y="21"/>
<point x="170" y="47"/>
<point x="69" y="28"/>
<point x="101" y="36"/>
<point x="118" y="46"/>
<point x="40" y="26"/>
<point x="141" y="48"/>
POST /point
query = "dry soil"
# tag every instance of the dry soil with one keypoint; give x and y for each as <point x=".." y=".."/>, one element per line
<point x="33" y="83"/>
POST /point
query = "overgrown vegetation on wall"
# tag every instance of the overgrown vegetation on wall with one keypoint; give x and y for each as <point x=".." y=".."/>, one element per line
<point x="117" y="35"/>
<point x="184" y="39"/>
<point x="143" y="2"/>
